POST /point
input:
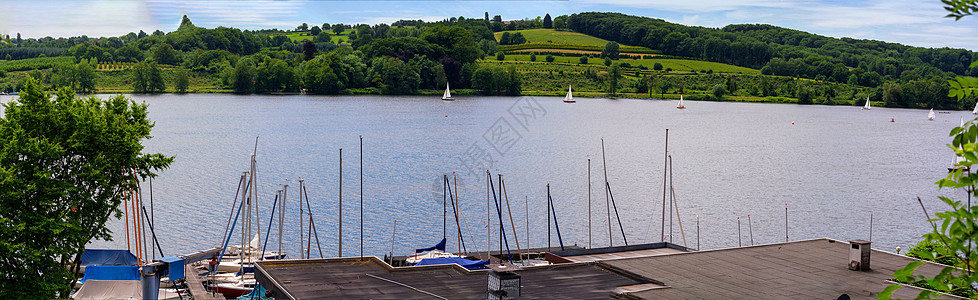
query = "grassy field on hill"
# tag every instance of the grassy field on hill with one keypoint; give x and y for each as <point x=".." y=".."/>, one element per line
<point x="299" y="36"/>
<point x="677" y="65"/>
<point x="553" y="36"/>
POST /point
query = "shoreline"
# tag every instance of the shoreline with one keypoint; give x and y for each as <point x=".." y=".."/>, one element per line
<point x="577" y="94"/>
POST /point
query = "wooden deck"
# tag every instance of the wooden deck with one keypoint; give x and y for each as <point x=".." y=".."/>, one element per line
<point x="196" y="286"/>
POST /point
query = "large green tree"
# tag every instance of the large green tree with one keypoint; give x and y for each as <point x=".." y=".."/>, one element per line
<point x="65" y="164"/>
<point x="147" y="78"/>
<point x="182" y="81"/>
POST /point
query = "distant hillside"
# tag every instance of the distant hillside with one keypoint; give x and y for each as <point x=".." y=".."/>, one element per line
<point x="780" y="51"/>
<point x="554" y="36"/>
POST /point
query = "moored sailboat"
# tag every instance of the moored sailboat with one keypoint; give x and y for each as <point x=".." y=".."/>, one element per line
<point x="681" y="105"/>
<point x="866" y="107"/>
<point x="930" y="115"/>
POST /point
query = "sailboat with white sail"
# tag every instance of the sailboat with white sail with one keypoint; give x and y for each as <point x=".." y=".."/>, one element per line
<point x="681" y="105"/>
<point x="570" y="96"/>
<point x="448" y="94"/>
<point x="930" y="115"/>
<point x="866" y="107"/>
<point x="976" y="109"/>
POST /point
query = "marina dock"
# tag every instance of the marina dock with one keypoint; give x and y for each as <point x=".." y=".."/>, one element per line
<point x="818" y="268"/>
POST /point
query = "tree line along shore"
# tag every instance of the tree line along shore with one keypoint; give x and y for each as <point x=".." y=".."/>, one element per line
<point x="600" y="54"/>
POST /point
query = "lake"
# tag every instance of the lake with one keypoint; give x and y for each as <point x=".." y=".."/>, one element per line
<point x="833" y="166"/>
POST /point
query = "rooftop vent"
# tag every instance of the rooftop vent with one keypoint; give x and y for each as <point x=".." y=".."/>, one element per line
<point x="859" y="255"/>
<point x="504" y="285"/>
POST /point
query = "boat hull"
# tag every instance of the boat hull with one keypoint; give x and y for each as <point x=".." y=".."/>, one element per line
<point x="231" y="292"/>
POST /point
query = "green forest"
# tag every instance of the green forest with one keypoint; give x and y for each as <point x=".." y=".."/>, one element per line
<point x="600" y="54"/>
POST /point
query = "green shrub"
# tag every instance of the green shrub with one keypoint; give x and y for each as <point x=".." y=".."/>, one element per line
<point x="500" y="56"/>
<point x="718" y="91"/>
<point x="550" y="58"/>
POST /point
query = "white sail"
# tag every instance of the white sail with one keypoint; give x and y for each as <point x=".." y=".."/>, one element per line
<point x="680" y="102"/>
<point x="976" y="109"/>
<point x="448" y="93"/>
<point x="867" y="104"/>
<point x="570" y="94"/>
<point x="930" y="115"/>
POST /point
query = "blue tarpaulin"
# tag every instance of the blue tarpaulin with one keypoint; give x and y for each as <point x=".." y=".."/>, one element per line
<point x="106" y="257"/>
<point x="111" y="273"/>
<point x="258" y="293"/>
<point x="468" y="264"/>
<point x="440" y="246"/>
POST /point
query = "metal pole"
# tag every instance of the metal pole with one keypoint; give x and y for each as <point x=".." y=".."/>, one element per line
<point x="870" y="227"/>
<point x="152" y="220"/>
<point x="786" y="222"/>
<point x="281" y="218"/>
<point x="607" y="200"/>
<point x="548" y="217"/>
<point x="488" y="220"/>
<point x="444" y="209"/>
<point x="589" y="203"/>
<point x="500" y="211"/>
<point x="301" y="223"/>
<point x="750" y="228"/>
<point x="361" y="197"/>
<point x="698" y="232"/>
<point x="739" y="242"/>
<point x="664" y="173"/>
<point x="672" y="198"/>
<point x="393" y="234"/>
<point x="151" y="283"/>
<point x="341" y="205"/>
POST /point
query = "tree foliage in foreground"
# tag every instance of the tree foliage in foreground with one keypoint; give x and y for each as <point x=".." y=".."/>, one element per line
<point x="65" y="164"/>
<point x="956" y="240"/>
<point x="955" y="230"/>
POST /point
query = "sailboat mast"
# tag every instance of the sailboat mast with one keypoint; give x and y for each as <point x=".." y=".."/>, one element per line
<point x="604" y="165"/>
<point x="340" y="247"/>
<point x="664" y="173"/>
<point x="301" y="222"/>
<point x="589" y="203"/>
<point x="281" y="218"/>
<point x="361" y="197"/>
<point x="672" y="198"/>
<point x="488" y="219"/>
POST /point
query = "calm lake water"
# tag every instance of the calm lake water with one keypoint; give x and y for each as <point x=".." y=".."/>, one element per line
<point x="832" y="166"/>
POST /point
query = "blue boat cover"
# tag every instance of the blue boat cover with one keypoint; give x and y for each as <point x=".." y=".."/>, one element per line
<point x="468" y="264"/>
<point x="440" y="246"/>
<point x="258" y="293"/>
<point x="111" y="273"/>
<point x="106" y="257"/>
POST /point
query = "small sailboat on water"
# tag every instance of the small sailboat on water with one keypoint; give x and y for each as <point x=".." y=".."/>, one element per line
<point x="958" y="158"/>
<point x="570" y="96"/>
<point x="681" y="106"/>
<point x="976" y="109"/>
<point x="448" y="94"/>
<point x="866" y="107"/>
<point x="930" y="115"/>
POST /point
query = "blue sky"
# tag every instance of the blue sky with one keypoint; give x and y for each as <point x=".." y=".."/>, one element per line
<point x="918" y="23"/>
